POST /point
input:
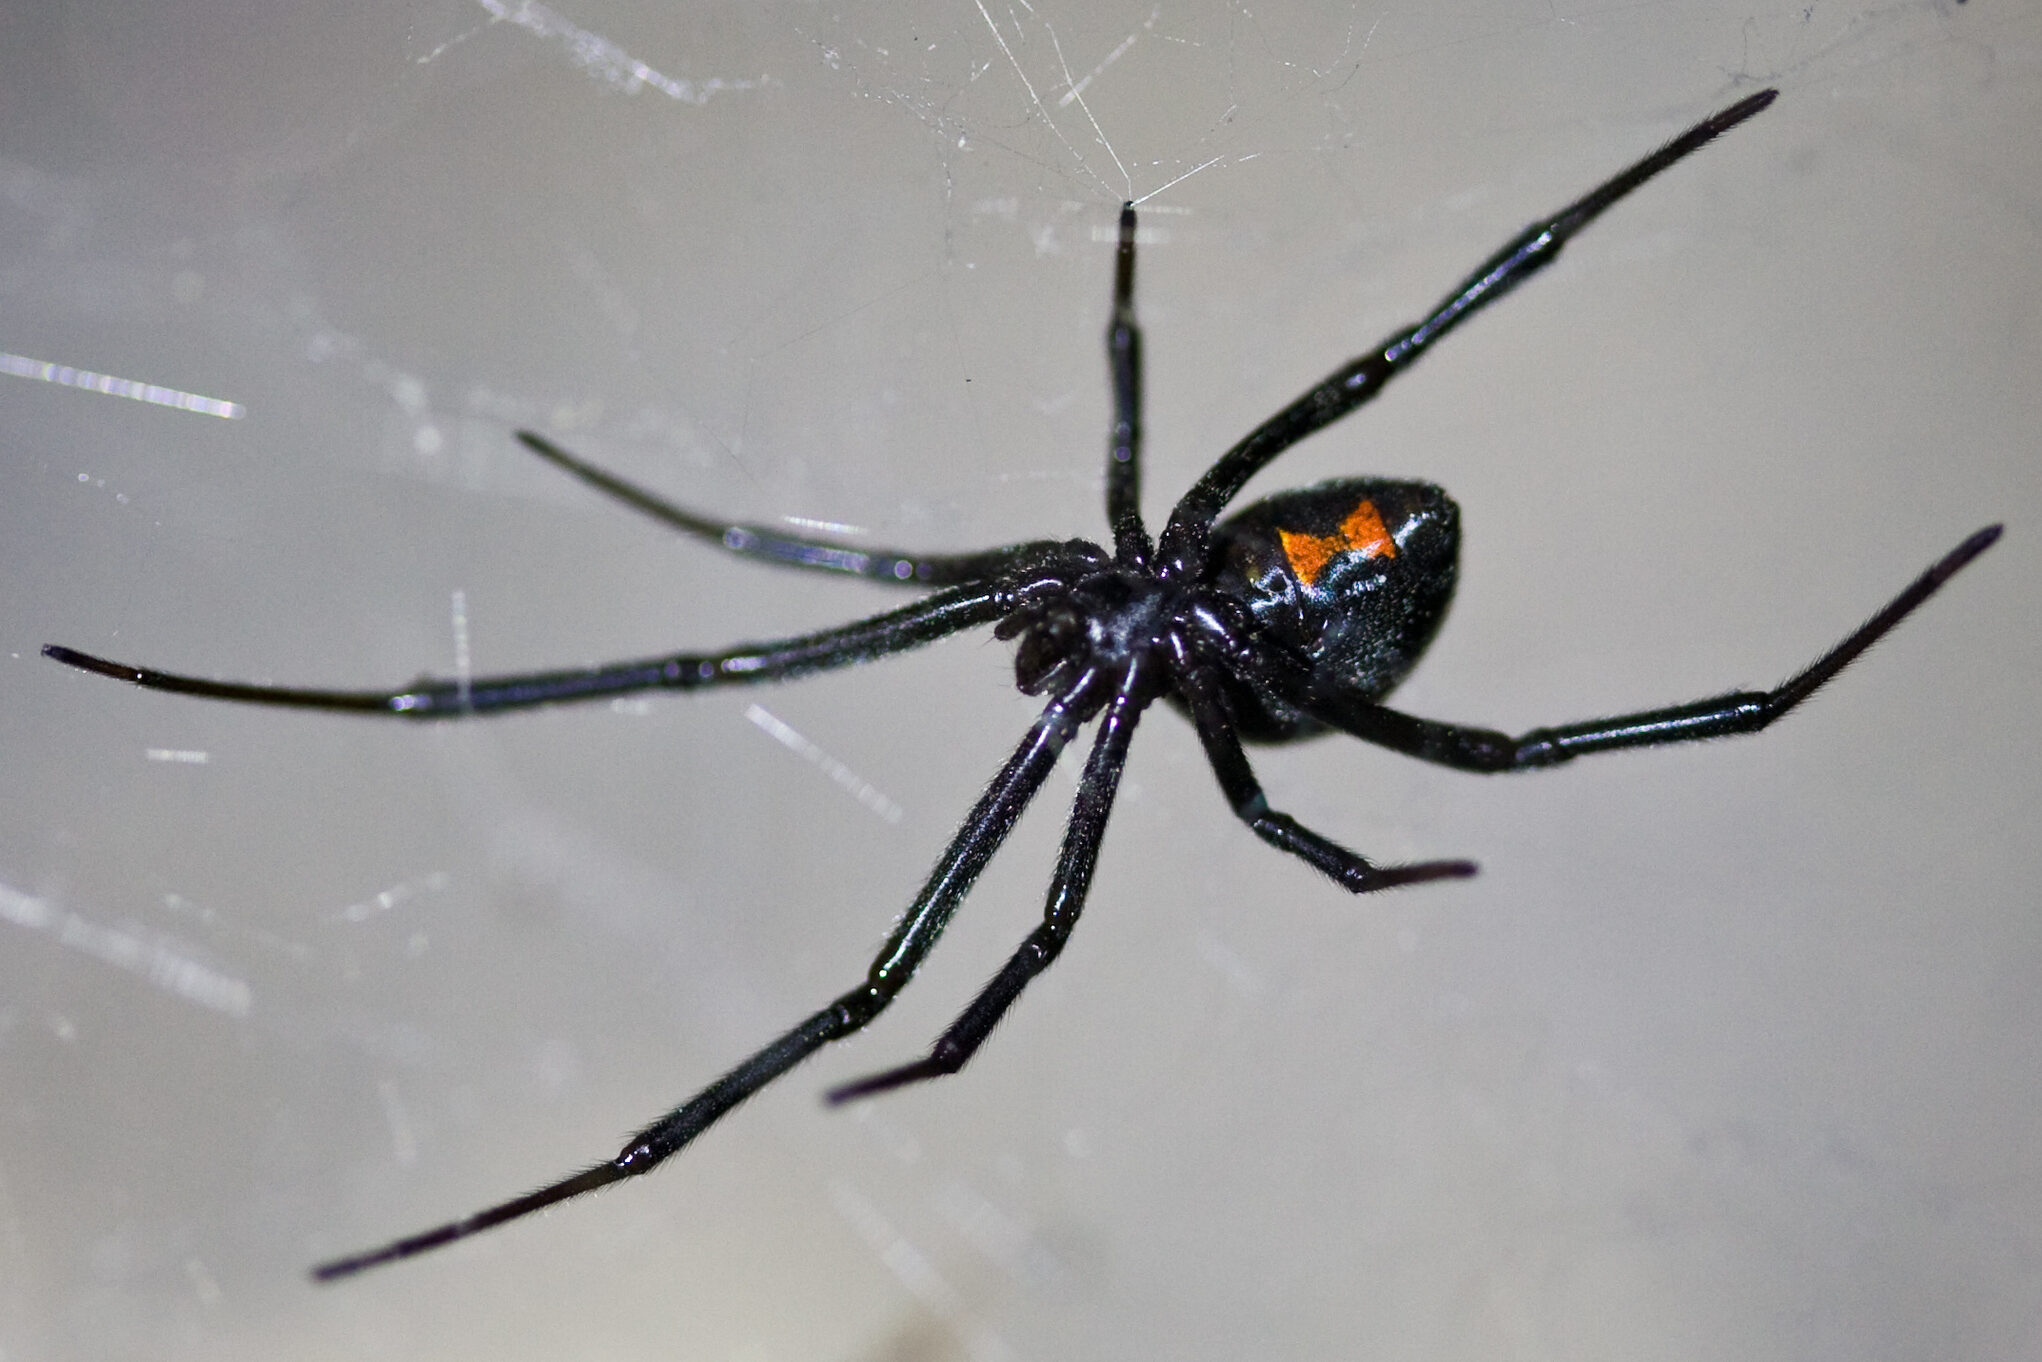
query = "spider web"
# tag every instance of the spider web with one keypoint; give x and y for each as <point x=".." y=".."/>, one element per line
<point x="1676" y="1074"/>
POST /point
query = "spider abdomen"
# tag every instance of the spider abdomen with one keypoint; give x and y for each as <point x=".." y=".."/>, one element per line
<point x="1352" y="577"/>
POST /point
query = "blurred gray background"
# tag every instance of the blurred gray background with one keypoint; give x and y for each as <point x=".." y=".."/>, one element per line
<point x="1730" y="1052"/>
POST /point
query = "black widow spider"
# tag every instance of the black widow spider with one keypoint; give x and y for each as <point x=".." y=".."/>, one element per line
<point x="1294" y="616"/>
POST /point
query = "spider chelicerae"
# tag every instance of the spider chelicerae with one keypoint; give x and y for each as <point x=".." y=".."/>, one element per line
<point x="1292" y="617"/>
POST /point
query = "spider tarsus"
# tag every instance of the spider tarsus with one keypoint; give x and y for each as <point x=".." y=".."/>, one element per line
<point x="874" y="1084"/>
<point x="1741" y="110"/>
<point x="1394" y="876"/>
<point x="341" y="1268"/>
<point x="1966" y="551"/>
<point x="86" y="662"/>
<point x="1824" y="669"/>
<point x="587" y="1180"/>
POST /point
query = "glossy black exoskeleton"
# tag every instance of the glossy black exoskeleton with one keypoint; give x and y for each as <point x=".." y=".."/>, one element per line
<point x="1352" y="577"/>
<point x="1296" y="615"/>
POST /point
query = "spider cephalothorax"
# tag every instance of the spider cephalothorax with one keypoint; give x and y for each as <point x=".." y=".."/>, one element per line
<point x="1100" y="622"/>
<point x="1296" y="615"/>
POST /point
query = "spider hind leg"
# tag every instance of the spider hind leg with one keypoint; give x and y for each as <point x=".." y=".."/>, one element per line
<point x="897" y="566"/>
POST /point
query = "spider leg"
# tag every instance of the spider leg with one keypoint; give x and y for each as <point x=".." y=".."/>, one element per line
<point x="1480" y="749"/>
<point x="934" y="616"/>
<point x="880" y="565"/>
<point x="1067" y="890"/>
<point x="1244" y="794"/>
<point x="983" y="831"/>
<point x="1184" y="538"/>
<point x="1124" y="446"/>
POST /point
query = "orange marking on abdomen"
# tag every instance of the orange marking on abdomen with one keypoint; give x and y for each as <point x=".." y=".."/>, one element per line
<point x="1362" y="532"/>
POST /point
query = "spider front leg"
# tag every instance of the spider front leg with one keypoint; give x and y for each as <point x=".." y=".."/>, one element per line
<point x="1481" y="749"/>
<point x="755" y="541"/>
<point x="1244" y="795"/>
<point x="987" y="826"/>
<point x="1067" y="891"/>
<point x="1182" y="550"/>
<point x="931" y="618"/>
